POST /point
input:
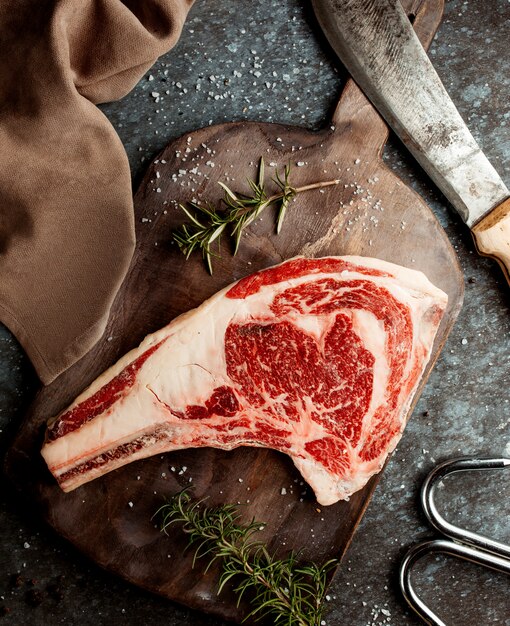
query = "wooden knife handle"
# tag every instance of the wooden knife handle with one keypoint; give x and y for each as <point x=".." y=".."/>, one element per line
<point x="492" y="236"/>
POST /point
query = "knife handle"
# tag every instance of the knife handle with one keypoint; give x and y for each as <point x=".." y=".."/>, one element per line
<point x="492" y="236"/>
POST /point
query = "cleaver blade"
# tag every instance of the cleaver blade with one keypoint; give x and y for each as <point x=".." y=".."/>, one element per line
<point x="375" y="41"/>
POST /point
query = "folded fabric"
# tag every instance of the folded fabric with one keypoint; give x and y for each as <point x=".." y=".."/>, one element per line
<point x="66" y="210"/>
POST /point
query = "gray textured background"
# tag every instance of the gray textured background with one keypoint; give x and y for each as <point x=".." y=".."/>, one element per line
<point x="253" y="59"/>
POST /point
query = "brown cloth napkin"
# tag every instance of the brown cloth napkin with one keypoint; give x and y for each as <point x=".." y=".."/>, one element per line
<point x="66" y="210"/>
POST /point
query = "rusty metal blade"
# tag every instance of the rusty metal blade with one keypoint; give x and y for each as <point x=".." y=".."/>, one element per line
<point x="376" y="42"/>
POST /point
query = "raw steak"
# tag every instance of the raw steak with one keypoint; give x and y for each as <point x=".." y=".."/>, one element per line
<point x="317" y="358"/>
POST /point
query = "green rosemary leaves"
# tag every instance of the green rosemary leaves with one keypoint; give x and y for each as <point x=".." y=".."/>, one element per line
<point x="207" y="223"/>
<point x="285" y="590"/>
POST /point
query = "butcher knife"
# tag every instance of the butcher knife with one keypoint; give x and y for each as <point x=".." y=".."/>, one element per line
<point x="377" y="44"/>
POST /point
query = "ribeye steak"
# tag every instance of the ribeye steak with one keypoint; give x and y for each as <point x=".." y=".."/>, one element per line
<point x="316" y="358"/>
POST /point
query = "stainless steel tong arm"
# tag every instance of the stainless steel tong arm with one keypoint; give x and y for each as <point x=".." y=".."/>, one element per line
<point x="463" y="543"/>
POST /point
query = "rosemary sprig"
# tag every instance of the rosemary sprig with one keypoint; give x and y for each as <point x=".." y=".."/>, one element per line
<point x="289" y="592"/>
<point x="237" y="212"/>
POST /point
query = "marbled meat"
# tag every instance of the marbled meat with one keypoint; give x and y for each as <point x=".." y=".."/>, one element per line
<point x="316" y="358"/>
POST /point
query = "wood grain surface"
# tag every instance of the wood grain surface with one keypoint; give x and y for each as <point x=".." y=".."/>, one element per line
<point x="371" y="213"/>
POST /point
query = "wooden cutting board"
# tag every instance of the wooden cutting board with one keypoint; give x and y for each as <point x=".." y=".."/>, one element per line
<point x="371" y="213"/>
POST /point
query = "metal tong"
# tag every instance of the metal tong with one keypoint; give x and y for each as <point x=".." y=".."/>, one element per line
<point x="466" y="544"/>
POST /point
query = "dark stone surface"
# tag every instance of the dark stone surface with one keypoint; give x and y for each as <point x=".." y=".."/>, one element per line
<point x="241" y="59"/>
